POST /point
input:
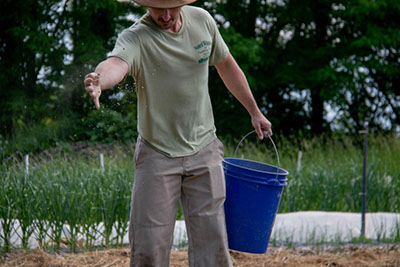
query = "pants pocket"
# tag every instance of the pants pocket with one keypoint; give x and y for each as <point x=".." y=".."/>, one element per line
<point x="138" y="148"/>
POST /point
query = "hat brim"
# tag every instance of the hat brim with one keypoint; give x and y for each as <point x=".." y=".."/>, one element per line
<point x="163" y="3"/>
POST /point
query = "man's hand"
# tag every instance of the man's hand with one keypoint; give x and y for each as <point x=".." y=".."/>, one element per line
<point x="261" y="125"/>
<point x="92" y="86"/>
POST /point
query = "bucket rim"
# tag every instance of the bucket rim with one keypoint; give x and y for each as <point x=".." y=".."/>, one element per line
<point x="275" y="183"/>
<point x="285" y="172"/>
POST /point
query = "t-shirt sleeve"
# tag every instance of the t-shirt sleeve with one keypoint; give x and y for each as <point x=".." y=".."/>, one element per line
<point x="127" y="48"/>
<point x="219" y="50"/>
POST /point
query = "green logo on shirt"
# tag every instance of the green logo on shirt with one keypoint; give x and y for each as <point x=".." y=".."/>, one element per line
<point x="204" y="50"/>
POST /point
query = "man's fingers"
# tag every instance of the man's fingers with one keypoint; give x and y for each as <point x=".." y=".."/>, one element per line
<point x="260" y="133"/>
<point x="91" y="79"/>
<point x="96" y="102"/>
<point x="92" y="86"/>
<point x="262" y="126"/>
<point x="267" y="133"/>
<point x="89" y="89"/>
<point x="96" y="99"/>
<point x="88" y="80"/>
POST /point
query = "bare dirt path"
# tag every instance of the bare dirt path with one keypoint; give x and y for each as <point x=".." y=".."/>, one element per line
<point x="376" y="256"/>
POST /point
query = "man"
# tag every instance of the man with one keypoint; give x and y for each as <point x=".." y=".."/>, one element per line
<point x="178" y="156"/>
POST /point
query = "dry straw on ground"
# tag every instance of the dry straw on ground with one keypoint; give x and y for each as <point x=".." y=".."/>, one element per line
<point x="384" y="256"/>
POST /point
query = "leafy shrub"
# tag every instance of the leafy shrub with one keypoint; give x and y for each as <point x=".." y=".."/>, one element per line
<point x="106" y="126"/>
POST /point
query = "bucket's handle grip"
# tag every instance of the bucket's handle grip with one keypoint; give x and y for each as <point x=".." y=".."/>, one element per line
<point x="270" y="138"/>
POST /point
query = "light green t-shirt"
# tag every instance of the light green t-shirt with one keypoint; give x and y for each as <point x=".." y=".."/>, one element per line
<point x="171" y="74"/>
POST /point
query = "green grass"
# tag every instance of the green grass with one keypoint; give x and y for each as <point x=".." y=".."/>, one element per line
<point x="69" y="188"/>
<point x="66" y="191"/>
<point x="331" y="175"/>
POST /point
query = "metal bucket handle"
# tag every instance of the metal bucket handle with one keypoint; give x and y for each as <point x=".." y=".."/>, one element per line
<point x="272" y="141"/>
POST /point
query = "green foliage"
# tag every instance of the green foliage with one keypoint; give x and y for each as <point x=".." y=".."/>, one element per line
<point x="317" y="53"/>
<point x="30" y="139"/>
<point x="66" y="191"/>
<point x="300" y="57"/>
<point x="106" y="126"/>
<point x="99" y="126"/>
<point x="330" y="177"/>
<point x="48" y="47"/>
<point x="69" y="192"/>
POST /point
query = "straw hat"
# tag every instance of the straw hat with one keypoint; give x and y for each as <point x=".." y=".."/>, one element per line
<point x="163" y="3"/>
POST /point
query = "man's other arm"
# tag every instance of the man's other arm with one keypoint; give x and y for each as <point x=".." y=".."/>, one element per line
<point x="236" y="82"/>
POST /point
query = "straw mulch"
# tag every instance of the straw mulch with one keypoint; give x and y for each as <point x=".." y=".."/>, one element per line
<point x="385" y="256"/>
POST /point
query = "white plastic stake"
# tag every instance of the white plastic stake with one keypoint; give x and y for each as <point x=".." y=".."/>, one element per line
<point x="102" y="163"/>
<point x="299" y="161"/>
<point x="26" y="158"/>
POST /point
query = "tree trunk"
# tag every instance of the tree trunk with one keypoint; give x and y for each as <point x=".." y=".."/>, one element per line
<point x="317" y="112"/>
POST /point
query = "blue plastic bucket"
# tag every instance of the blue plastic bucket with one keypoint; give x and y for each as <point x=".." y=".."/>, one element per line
<point x="253" y="193"/>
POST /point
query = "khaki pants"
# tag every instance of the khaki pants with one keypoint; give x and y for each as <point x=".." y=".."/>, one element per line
<point x="160" y="183"/>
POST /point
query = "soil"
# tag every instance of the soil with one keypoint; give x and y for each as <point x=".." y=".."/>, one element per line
<point x="374" y="256"/>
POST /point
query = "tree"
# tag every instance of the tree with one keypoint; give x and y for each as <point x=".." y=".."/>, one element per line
<point x="47" y="47"/>
<point x="315" y="59"/>
<point x="29" y="38"/>
<point x="304" y="59"/>
<point x="373" y="68"/>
